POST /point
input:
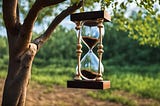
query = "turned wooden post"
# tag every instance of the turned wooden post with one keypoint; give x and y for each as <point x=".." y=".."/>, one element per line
<point x="100" y="50"/>
<point x="78" y="51"/>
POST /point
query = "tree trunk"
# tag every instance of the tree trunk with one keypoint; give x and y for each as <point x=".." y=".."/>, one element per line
<point x="21" y="50"/>
<point x="19" y="71"/>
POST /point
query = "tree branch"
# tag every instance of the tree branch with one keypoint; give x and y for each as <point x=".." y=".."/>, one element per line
<point x="46" y="3"/>
<point x="44" y="37"/>
<point x="17" y="12"/>
<point x="25" y="33"/>
<point x="32" y="16"/>
<point x="10" y="14"/>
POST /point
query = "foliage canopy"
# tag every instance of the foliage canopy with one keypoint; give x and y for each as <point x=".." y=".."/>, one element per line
<point x="142" y="21"/>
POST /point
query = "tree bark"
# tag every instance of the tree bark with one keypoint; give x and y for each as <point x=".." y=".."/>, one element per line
<point x="19" y="72"/>
<point x="21" y="49"/>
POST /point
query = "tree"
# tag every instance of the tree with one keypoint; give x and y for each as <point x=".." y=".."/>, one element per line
<point x="140" y="18"/>
<point x="22" y="49"/>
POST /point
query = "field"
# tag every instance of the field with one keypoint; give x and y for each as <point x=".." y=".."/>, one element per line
<point x="130" y="86"/>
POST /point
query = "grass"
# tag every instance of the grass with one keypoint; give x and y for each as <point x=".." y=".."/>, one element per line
<point x="3" y="73"/>
<point x="110" y="96"/>
<point x="52" y="74"/>
<point x="141" y="81"/>
<point x="3" y="68"/>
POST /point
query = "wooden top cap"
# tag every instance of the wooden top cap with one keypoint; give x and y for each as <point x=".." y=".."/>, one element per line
<point x="94" y="15"/>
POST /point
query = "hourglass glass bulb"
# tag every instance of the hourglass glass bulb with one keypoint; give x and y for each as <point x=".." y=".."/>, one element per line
<point x="90" y="36"/>
<point x="94" y="31"/>
<point x="90" y="31"/>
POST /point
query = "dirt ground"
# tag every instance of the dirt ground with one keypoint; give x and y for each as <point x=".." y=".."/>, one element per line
<point x="39" y="95"/>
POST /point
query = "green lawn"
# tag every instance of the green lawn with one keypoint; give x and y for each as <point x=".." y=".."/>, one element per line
<point x="133" y="81"/>
<point x="141" y="81"/>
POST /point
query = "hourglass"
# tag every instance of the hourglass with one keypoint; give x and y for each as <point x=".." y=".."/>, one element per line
<point x="90" y="31"/>
<point x="91" y="66"/>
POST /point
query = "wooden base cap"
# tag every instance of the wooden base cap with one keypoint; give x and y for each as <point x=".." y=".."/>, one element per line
<point x="88" y="84"/>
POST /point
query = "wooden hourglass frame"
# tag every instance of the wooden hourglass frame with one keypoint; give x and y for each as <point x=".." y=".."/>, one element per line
<point x="93" y="18"/>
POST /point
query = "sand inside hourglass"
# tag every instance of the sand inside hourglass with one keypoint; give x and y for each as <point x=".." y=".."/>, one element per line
<point x="91" y="42"/>
<point x="89" y="74"/>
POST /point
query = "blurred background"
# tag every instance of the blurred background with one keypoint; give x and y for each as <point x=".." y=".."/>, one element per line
<point x="131" y="56"/>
